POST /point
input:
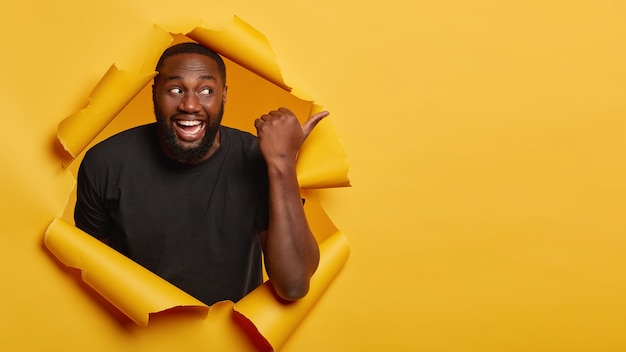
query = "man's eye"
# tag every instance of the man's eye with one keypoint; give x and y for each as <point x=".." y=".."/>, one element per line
<point x="206" y="91"/>
<point x="176" y="90"/>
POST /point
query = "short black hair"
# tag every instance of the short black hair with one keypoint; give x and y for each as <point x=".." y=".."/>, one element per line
<point x="192" y="48"/>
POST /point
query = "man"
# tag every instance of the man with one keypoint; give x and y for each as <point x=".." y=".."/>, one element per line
<point x="196" y="202"/>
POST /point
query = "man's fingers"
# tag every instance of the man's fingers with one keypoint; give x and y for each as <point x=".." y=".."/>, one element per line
<point x="308" y="126"/>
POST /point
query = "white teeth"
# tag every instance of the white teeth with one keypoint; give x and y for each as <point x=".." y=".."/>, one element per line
<point x="192" y="132"/>
<point x="188" y="123"/>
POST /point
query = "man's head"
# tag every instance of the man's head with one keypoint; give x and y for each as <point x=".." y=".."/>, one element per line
<point x="189" y="93"/>
<point x="192" y="48"/>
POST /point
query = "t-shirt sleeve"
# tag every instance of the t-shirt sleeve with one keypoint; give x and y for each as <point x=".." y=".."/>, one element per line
<point x="91" y="213"/>
<point x="262" y="183"/>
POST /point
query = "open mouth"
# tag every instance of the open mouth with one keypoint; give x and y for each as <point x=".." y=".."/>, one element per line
<point x="189" y="130"/>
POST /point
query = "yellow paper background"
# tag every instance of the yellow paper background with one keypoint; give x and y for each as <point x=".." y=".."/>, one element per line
<point x="486" y="143"/>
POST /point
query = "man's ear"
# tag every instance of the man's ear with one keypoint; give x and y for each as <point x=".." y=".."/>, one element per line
<point x="224" y="94"/>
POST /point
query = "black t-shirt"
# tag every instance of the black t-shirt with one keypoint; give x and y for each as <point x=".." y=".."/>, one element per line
<point x="196" y="226"/>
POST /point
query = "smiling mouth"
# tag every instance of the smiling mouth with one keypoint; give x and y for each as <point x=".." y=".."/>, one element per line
<point x="189" y="130"/>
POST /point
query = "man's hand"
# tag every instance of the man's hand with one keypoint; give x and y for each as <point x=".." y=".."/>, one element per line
<point x="281" y="135"/>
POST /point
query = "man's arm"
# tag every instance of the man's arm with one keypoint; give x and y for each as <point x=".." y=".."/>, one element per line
<point x="291" y="251"/>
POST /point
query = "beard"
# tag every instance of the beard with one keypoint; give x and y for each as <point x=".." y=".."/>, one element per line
<point x="180" y="153"/>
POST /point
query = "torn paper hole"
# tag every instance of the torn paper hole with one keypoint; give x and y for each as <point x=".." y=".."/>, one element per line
<point x="322" y="163"/>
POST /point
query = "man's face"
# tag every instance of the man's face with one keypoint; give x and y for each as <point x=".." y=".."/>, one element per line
<point x="189" y="98"/>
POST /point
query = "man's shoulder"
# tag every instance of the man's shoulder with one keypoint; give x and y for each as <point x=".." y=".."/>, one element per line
<point x="123" y="144"/>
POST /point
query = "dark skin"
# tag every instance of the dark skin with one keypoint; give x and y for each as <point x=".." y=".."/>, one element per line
<point x="189" y="94"/>
<point x="291" y="251"/>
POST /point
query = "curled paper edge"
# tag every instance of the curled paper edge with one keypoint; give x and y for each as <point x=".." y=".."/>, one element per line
<point x="106" y="101"/>
<point x="277" y="320"/>
<point x="131" y="288"/>
<point x="112" y="93"/>
<point x="138" y="293"/>
<point x="243" y="44"/>
<point x="322" y="160"/>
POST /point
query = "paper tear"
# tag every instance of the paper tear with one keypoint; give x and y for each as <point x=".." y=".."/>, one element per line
<point x="259" y="341"/>
<point x="105" y="102"/>
<point x="322" y="160"/>
<point x="131" y="288"/>
<point x="139" y="293"/>
<point x="243" y="44"/>
<point x="114" y="91"/>
<point x="277" y="320"/>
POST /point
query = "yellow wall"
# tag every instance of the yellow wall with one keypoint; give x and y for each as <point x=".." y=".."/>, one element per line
<point x="487" y="144"/>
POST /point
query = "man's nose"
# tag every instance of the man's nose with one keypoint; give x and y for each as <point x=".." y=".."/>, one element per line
<point x="189" y="103"/>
